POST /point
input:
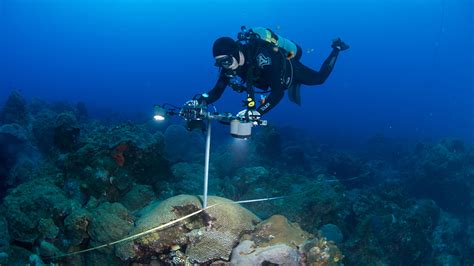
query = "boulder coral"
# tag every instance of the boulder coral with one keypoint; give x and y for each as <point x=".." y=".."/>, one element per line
<point x="219" y="227"/>
<point x="277" y="241"/>
<point x="110" y="222"/>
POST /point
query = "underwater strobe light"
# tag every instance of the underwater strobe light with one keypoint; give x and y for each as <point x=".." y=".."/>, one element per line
<point x="240" y="129"/>
<point x="159" y="113"/>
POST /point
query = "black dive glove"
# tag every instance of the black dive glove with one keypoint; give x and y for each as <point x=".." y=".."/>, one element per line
<point x="339" y="44"/>
<point x="202" y="98"/>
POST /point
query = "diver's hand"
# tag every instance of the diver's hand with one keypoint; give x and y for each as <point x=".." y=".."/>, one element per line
<point x="192" y="103"/>
<point x="251" y="115"/>
<point x="193" y="110"/>
<point x="202" y="98"/>
<point x="339" y="44"/>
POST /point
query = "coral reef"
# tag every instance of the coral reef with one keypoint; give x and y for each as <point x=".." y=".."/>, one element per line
<point x="4" y="241"/>
<point x="320" y="252"/>
<point x="81" y="112"/>
<point x="32" y="202"/>
<point x="138" y="197"/>
<point x="188" y="178"/>
<point x="269" y="144"/>
<point x="350" y="170"/>
<point x="15" y="110"/>
<point x="76" y="225"/>
<point x="66" y="132"/>
<point x="70" y="183"/>
<point x="110" y="221"/>
<point x="393" y="233"/>
<point x="326" y="203"/>
<point x="181" y="144"/>
<point x="381" y="147"/>
<point x="116" y="158"/>
<point x="439" y="172"/>
<point x="43" y="129"/>
<point x="332" y="232"/>
<point x="18" y="157"/>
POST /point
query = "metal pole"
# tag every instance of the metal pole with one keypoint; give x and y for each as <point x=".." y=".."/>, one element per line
<point x="206" y="162"/>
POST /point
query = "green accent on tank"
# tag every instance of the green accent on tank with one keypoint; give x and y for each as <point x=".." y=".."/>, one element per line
<point x="283" y="43"/>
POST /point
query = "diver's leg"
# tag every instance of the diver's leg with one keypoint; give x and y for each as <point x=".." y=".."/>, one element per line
<point x="308" y="76"/>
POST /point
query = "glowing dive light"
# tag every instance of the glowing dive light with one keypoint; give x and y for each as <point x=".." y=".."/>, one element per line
<point x="240" y="130"/>
<point x="159" y="118"/>
<point x="160" y="113"/>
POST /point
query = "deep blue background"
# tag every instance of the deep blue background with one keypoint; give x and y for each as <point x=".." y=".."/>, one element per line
<point x="409" y="72"/>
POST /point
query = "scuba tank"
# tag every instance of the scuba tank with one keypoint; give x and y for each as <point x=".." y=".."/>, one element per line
<point x="290" y="48"/>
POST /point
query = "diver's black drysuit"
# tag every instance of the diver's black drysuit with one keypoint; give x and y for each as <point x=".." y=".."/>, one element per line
<point x="270" y="70"/>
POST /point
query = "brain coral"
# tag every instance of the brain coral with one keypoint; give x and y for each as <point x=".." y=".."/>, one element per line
<point x="207" y="236"/>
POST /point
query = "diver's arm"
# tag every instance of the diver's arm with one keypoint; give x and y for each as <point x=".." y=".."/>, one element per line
<point x="273" y="99"/>
<point x="214" y="94"/>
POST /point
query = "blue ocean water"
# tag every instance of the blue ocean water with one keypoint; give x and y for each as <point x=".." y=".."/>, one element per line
<point x="402" y="94"/>
<point x="409" y="72"/>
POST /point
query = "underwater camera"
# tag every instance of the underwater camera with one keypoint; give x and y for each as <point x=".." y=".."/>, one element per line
<point x="192" y="110"/>
<point x="195" y="115"/>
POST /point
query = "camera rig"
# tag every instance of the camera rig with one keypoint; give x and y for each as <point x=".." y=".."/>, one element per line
<point x="195" y="114"/>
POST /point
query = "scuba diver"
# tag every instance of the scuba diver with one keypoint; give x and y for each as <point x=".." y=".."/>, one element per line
<point x="264" y="60"/>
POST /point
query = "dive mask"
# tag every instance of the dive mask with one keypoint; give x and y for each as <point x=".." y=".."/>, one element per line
<point x="224" y="61"/>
